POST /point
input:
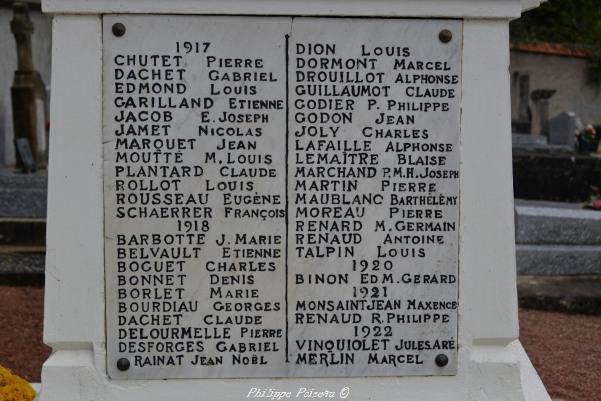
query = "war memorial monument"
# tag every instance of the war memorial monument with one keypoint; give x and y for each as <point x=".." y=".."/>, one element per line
<point x="281" y="200"/>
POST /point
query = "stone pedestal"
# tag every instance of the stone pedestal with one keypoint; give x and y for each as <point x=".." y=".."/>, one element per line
<point x="490" y="363"/>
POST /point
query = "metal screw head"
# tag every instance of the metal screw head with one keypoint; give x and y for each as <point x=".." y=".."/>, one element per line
<point x="441" y="360"/>
<point x="118" y="29"/>
<point x="445" y="36"/>
<point x="123" y="364"/>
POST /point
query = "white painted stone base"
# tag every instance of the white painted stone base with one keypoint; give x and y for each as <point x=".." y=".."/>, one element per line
<point x="492" y="373"/>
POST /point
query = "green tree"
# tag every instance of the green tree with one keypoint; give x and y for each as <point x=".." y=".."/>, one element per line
<point x="561" y="21"/>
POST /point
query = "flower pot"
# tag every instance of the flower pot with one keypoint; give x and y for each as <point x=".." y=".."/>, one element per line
<point x="586" y="146"/>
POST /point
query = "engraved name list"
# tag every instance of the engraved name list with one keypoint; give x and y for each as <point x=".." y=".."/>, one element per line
<point x="281" y="196"/>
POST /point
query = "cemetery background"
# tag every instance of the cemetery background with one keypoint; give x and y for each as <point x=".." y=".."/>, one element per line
<point x="559" y="247"/>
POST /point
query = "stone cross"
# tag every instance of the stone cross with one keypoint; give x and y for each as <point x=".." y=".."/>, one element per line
<point x="540" y="116"/>
<point x="28" y="91"/>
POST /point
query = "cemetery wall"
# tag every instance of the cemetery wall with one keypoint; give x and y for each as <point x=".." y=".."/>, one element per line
<point x="42" y="43"/>
<point x="565" y="74"/>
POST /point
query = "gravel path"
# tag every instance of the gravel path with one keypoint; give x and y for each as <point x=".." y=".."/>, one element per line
<point x="21" y="321"/>
<point x="565" y="349"/>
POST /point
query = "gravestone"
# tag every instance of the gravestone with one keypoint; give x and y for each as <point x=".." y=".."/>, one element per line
<point x="563" y="128"/>
<point x="24" y="155"/>
<point x="271" y="205"/>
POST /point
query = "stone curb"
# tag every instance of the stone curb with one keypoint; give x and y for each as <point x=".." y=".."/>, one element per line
<point x="570" y="294"/>
<point x="23" y="195"/>
<point x="560" y="226"/>
<point x="21" y="261"/>
<point x="558" y="259"/>
<point x="17" y="203"/>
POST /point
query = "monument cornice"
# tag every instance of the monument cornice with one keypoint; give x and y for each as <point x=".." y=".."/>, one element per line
<point x="374" y="8"/>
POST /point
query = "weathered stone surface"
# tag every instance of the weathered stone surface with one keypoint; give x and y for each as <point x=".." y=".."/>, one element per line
<point x="556" y="238"/>
<point x="558" y="259"/>
<point x="21" y="260"/>
<point x="528" y="140"/>
<point x="23" y="195"/>
<point x="559" y="224"/>
<point x="10" y="179"/>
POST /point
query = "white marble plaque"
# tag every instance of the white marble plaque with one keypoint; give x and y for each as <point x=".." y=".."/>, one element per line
<point x="281" y="196"/>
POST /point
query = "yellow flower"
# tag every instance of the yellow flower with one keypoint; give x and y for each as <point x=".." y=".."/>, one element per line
<point x="13" y="388"/>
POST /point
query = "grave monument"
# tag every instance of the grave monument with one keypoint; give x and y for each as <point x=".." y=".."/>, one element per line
<point x="28" y="97"/>
<point x="282" y="200"/>
<point x="563" y="129"/>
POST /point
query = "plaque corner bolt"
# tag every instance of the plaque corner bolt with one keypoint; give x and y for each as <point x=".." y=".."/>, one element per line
<point x="445" y="36"/>
<point x="441" y="360"/>
<point x="118" y="29"/>
<point x="123" y="364"/>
